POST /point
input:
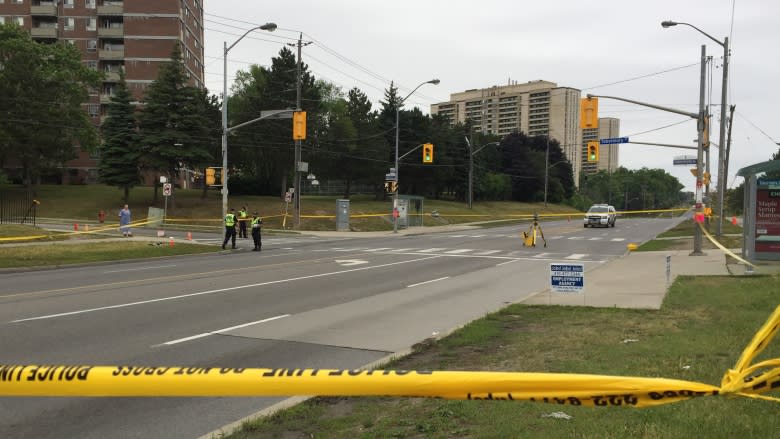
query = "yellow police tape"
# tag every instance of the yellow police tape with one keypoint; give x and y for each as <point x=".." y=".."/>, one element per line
<point x="720" y="246"/>
<point x="586" y="390"/>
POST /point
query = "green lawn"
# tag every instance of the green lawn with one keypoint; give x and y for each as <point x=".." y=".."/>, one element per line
<point x="698" y="334"/>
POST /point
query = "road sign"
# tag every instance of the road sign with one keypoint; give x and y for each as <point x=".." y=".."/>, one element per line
<point x="167" y="189"/>
<point x="391" y="177"/>
<point x="684" y="160"/>
<point x="613" y="140"/>
<point x="567" y="278"/>
<point x="287" y="197"/>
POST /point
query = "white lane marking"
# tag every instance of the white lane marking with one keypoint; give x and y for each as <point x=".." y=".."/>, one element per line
<point x="221" y="290"/>
<point x="542" y="255"/>
<point x="404" y="249"/>
<point x="427" y="282"/>
<point x="487" y="252"/>
<point x="555" y="237"/>
<point x="139" y="269"/>
<point x="575" y="256"/>
<point x="206" y="334"/>
<point x="618" y="239"/>
<point x="594" y="239"/>
<point x="431" y="250"/>
<point x="458" y="251"/>
<point x="507" y="262"/>
<point x="458" y="236"/>
<point x="476" y="236"/>
<point x="350" y="262"/>
<point x="574" y="238"/>
<point x="377" y="249"/>
<point x="287" y="248"/>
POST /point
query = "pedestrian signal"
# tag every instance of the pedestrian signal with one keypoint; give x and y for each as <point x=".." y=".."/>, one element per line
<point x="299" y="125"/>
<point x="211" y="176"/>
<point x="589" y="113"/>
<point x="593" y="151"/>
<point x="391" y="187"/>
<point x="428" y="153"/>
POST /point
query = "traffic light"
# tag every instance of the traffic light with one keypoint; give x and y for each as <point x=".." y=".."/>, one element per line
<point x="593" y="151"/>
<point x="706" y="138"/>
<point x="299" y="125"/>
<point x="706" y="179"/>
<point x="211" y="178"/>
<point x="428" y="153"/>
<point x="589" y="113"/>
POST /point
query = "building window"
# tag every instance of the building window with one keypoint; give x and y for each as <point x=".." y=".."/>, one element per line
<point x="70" y="23"/>
<point x="2" y="19"/>
<point x="94" y="110"/>
<point x="92" y="65"/>
<point x="91" y="45"/>
<point x="90" y="4"/>
<point x="68" y="3"/>
<point x="18" y="20"/>
<point x="91" y="24"/>
<point x="71" y="42"/>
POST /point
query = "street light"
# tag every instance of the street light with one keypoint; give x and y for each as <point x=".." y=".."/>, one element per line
<point x="472" y="153"/>
<point x="722" y="133"/>
<point x="397" y="171"/>
<point x="270" y="27"/>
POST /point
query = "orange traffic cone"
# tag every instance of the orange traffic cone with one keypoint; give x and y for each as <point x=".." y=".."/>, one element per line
<point x="734" y="220"/>
<point x="170" y="242"/>
<point x="189" y="236"/>
<point x="76" y="227"/>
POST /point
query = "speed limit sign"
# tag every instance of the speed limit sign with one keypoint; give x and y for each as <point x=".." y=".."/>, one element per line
<point x="167" y="189"/>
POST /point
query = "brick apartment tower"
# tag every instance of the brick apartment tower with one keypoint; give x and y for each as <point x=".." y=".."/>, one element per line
<point x="135" y="35"/>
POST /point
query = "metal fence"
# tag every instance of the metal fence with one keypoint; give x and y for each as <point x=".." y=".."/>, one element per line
<point x="16" y="208"/>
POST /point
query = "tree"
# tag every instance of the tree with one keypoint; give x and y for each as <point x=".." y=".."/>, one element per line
<point x="43" y="87"/>
<point x="173" y="126"/>
<point x="119" y="155"/>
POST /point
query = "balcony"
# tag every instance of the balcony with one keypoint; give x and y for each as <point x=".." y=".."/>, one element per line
<point x="105" y="98"/>
<point x="44" y="9"/>
<point x="111" y="54"/>
<point x="111" y="32"/>
<point x="113" y="9"/>
<point x="112" y="76"/>
<point x="44" y="32"/>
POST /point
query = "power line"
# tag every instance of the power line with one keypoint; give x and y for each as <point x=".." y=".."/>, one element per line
<point x="641" y="77"/>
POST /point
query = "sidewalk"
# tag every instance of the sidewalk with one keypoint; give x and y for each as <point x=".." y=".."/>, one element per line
<point x="639" y="279"/>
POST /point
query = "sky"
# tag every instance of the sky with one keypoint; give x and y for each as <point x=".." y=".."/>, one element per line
<point x="610" y="47"/>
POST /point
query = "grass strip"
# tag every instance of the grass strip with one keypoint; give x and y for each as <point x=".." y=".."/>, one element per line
<point x="699" y="333"/>
<point x="63" y="254"/>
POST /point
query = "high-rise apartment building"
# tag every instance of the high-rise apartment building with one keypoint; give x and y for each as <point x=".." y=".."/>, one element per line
<point x="609" y="127"/>
<point x="536" y="108"/>
<point x="134" y="36"/>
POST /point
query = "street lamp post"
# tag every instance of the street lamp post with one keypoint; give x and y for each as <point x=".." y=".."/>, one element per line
<point x="270" y="27"/>
<point x="397" y="171"/>
<point x="472" y="153"/>
<point x="722" y="134"/>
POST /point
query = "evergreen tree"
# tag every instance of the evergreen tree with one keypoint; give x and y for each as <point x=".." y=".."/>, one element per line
<point x="119" y="155"/>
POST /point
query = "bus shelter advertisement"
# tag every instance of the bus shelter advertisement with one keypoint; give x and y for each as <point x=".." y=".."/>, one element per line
<point x="768" y="217"/>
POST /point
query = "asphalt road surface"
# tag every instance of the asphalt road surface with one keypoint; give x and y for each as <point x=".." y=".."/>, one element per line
<point x="303" y="302"/>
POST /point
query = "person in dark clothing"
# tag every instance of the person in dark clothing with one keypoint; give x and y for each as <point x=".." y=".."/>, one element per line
<point x="230" y="228"/>
<point x="256" y="224"/>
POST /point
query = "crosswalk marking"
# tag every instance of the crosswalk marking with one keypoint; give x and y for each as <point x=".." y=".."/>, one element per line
<point x="487" y="252"/>
<point x="399" y="250"/>
<point x="576" y="256"/>
<point x="377" y="249"/>
<point x="594" y="239"/>
<point x="618" y="239"/>
<point x="458" y="251"/>
<point x="431" y="250"/>
<point x="576" y="238"/>
<point x="542" y="255"/>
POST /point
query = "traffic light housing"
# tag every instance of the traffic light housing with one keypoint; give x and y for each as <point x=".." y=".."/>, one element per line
<point x="211" y="176"/>
<point x="427" y="153"/>
<point x="299" y="125"/>
<point x="706" y="138"/>
<point x="589" y="113"/>
<point x="593" y="151"/>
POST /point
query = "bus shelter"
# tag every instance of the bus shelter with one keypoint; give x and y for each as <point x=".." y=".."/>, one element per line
<point x="761" y="228"/>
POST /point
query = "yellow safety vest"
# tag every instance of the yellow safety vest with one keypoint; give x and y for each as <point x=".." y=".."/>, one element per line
<point x="256" y="223"/>
<point x="230" y="220"/>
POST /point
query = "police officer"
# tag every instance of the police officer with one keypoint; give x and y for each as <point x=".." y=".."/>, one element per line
<point x="256" y="223"/>
<point x="230" y="228"/>
<point x="243" y="217"/>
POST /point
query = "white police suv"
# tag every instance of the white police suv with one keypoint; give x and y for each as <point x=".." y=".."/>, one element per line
<point x="602" y="215"/>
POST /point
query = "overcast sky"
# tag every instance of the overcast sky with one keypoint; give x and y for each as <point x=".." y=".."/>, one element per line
<point x="579" y="44"/>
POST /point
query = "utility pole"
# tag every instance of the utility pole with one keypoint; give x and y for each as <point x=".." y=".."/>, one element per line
<point x="722" y="154"/>
<point x="697" y="235"/>
<point x="296" y="167"/>
<point x="546" y="167"/>
<point x="726" y="153"/>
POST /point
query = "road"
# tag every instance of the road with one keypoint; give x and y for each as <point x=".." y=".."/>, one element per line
<point x="303" y="302"/>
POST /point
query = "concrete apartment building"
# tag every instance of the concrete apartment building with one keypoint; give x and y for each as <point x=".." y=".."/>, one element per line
<point x="136" y="36"/>
<point x="609" y="127"/>
<point x="536" y="108"/>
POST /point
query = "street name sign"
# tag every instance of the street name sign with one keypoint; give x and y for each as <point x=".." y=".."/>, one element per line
<point x="613" y="140"/>
<point x="684" y="160"/>
<point x="567" y="278"/>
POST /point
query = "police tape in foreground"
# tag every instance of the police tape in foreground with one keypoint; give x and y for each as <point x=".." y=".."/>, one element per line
<point x="571" y="389"/>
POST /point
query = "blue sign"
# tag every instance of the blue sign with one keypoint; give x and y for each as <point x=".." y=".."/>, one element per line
<point x="613" y="140"/>
<point x="567" y="278"/>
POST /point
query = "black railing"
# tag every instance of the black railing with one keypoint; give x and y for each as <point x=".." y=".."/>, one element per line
<point x="17" y="209"/>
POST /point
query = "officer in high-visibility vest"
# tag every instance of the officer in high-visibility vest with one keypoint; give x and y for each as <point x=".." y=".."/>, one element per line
<point x="256" y="223"/>
<point x="243" y="217"/>
<point x="230" y="228"/>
